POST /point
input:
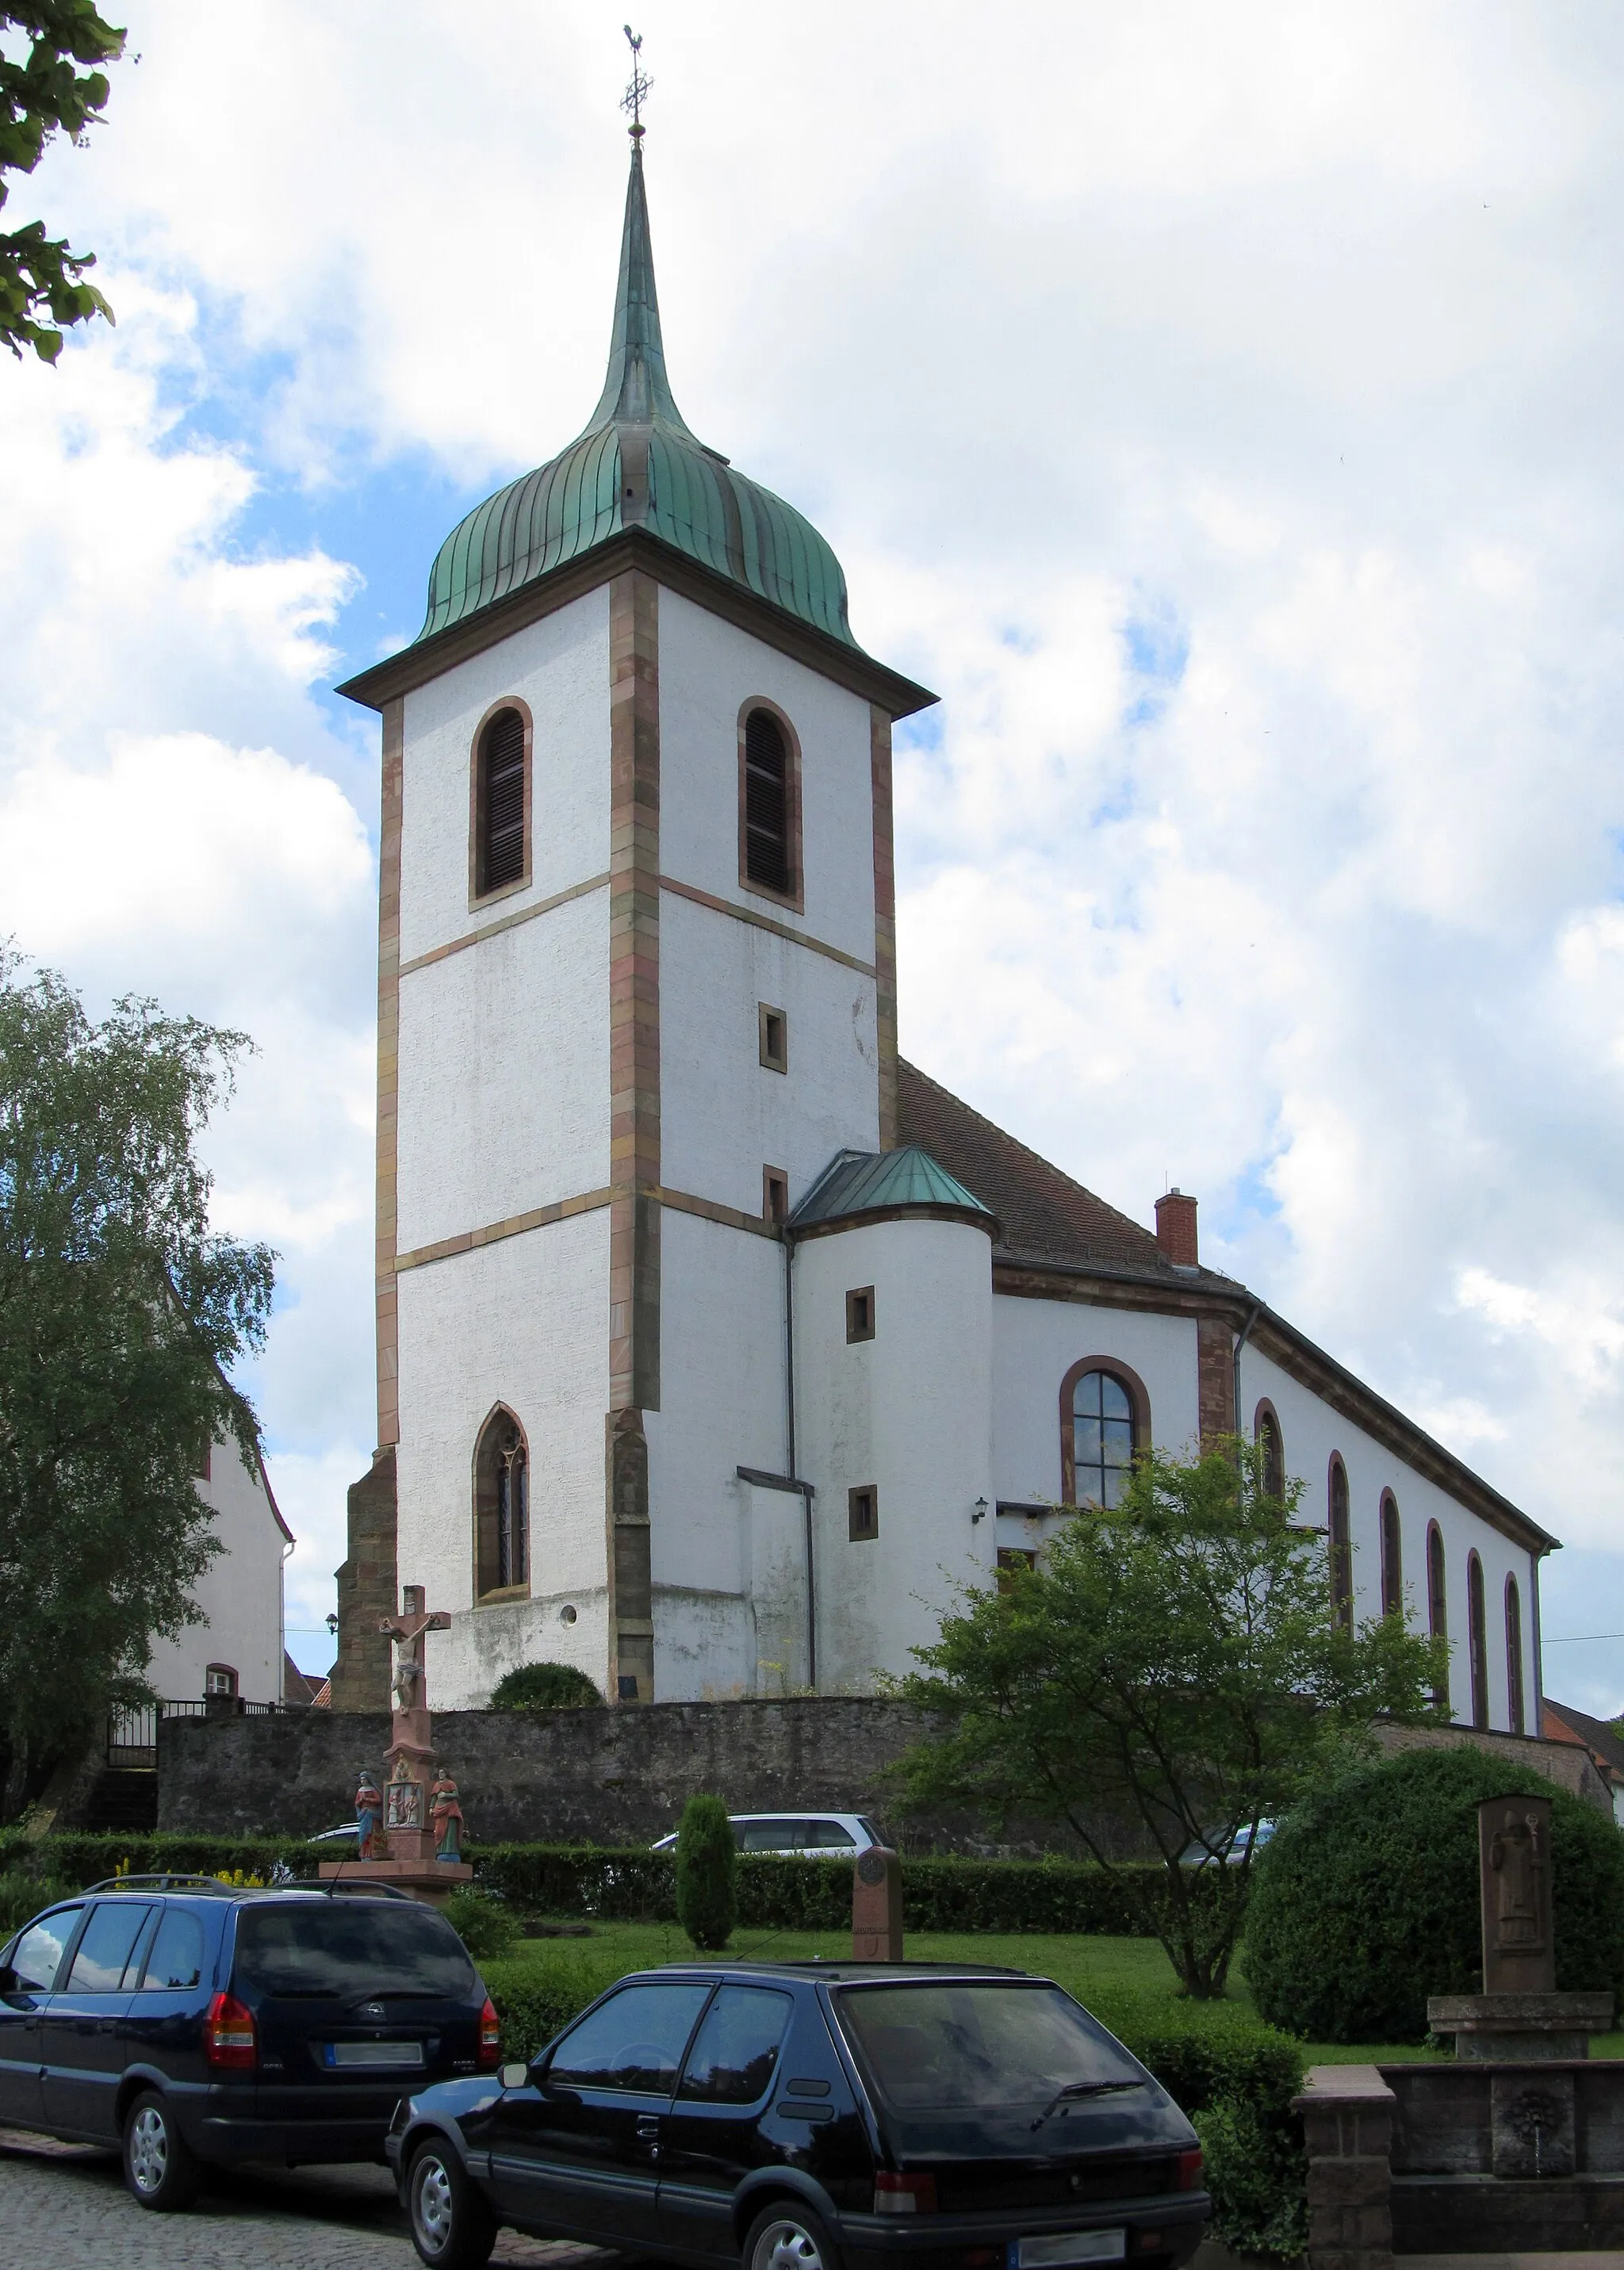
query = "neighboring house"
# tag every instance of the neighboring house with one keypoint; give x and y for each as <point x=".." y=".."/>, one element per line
<point x="716" y="1342"/>
<point x="1560" y="1722"/>
<point x="237" y="1651"/>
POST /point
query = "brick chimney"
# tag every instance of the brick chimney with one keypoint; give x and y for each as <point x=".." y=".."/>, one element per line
<point x="1175" y="1229"/>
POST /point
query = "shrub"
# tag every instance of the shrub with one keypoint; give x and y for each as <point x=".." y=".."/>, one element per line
<point x="544" y="1687"/>
<point x="21" y="1898"/>
<point x="537" y="1998"/>
<point x="1366" y="1899"/>
<point x="707" y="1873"/>
<point x="487" y="1927"/>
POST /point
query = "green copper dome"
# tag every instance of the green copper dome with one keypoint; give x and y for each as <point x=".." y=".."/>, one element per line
<point x="638" y="466"/>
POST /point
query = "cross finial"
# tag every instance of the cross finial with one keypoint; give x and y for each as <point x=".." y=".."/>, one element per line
<point x="637" y="89"/>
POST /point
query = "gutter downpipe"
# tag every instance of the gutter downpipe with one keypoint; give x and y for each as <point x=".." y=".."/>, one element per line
<point x="1534" y="1559"/>
<point x="806" y="1503"/>
<point x="1246" y="1333"/>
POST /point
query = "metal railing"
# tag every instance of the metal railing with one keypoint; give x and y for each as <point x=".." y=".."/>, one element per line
<point x="132" y="1728"/>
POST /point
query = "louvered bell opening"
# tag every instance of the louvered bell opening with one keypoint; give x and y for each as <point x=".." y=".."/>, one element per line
<point x="767" y="803"/>
<point x="502" y="758"/>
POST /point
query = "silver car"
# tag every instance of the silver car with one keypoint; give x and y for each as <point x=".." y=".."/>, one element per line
<point x="799" y="1836"/>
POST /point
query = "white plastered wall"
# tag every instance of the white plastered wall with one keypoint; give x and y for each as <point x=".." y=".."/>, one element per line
<point x="521" y="1322"/>
<point x="1035" y="1344"/>
<point x="1311" y="1432"/>
<point x="239" y="1592"/>
<point x="908" y="1412"/>
<point x="560" y="666"/>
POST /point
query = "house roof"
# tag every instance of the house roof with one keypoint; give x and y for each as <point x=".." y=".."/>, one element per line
<point x="861" y="1183"/>
<point x="1042" y="1213"/>
<point x="1595" y="1734"/>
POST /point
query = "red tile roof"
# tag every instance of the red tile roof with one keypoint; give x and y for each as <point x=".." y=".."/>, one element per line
<point x="1043" y="1213"/>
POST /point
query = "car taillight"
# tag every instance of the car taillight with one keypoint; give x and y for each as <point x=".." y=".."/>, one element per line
<point x="904" y="2194"/>
<point x="1187" y="2172"/>
<point x="491" y="2039"/>
<point x="228" y="2037"/>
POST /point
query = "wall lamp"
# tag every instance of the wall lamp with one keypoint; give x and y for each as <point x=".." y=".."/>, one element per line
<point x="980" y="1513"/>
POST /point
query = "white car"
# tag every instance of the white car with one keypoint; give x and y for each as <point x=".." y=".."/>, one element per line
<point x="800" y="1835"/>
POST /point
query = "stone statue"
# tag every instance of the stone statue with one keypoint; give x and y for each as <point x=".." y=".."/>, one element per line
<point x="1516" y="1855"/>
<point x="445" y="1817"/>
<point x="369" y="1817"/>
<point x="409" y="1681"/>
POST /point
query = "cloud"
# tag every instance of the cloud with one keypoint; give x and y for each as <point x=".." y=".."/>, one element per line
<point x="1220" y="410"/>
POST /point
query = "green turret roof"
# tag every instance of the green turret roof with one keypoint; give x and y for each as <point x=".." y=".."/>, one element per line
<point x="857" y="1183"/>
<point x="637" y="465"/>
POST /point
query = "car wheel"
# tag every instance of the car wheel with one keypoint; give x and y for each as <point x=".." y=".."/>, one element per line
<point x="452" y="2226"/>
<point x="789" y="2236"/>
<point x="161" y="2170"/>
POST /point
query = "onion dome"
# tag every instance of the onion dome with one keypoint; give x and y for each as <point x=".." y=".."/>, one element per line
<point x="638" y="466"/>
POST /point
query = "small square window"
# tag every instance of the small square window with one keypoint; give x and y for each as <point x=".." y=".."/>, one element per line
<point x="775" y="1194"/>
<point x="774" y="1037"/>
<point x="860" y="1314"/>
<point x="219" y="1679"/>
<point x="862" y="1513"/>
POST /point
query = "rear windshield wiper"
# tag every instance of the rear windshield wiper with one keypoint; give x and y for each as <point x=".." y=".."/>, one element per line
<point x="1082" y="2088"/>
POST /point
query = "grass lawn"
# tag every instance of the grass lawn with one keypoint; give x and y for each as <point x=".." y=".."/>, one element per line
<point x="1111" y="1971"/>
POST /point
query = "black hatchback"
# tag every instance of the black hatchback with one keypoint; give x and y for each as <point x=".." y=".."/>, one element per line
<point x="190" y="2022"/>
<point x="814" y="2116"/>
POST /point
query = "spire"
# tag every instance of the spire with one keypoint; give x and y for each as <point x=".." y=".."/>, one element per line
<point x="635" y="389"/>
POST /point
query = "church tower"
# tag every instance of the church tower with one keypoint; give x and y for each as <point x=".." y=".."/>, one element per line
<point x="636" y="989"/>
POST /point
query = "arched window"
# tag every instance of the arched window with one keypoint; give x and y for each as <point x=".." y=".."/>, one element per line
<point x="502" y="802"/>
<point x="1516" y="1709"/>
<point x="1477" y="1631"/>
<point x="769" y="849"/>
<point x="1267" y="1429"/>
<point x="1392" y="1557"/>
<point x="1437" y="1599"/>
<point x="502" y="1507"/>
<point x="1104" y="1437"/>
<point x="1341" y="1546"/>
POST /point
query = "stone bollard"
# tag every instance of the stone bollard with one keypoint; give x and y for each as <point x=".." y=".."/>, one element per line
<point x="876" y="1906"/>
<point x="1348" y="2120"/>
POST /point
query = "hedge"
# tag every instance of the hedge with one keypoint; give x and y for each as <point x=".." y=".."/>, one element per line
<point x="634" y="1885"/>
<point x="1365" y="1902"/>
<point x="1234" y="2077"/>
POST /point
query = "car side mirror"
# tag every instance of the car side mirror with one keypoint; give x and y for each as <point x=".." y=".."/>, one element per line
<point x="514" y="2076"/>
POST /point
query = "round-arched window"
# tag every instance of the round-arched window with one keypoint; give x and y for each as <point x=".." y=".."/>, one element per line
<point x="1103" y="1438"/>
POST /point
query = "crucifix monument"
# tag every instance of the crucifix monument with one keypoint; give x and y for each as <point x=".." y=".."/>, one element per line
<point x="423" y="1852"/>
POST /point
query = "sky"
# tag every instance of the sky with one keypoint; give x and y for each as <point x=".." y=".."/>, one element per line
<point x="1219" y="408"/>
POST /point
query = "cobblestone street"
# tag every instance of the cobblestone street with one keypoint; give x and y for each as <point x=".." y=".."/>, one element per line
<point x="65" y="2207"/>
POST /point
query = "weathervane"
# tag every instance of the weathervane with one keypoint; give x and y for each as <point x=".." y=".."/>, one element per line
<point x="637" y="90"/>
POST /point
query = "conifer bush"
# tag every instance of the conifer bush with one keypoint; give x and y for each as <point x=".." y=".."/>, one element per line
<point x="544" y="1687"/>
<point x="707" y="1874"/>
<point x="1365" y="1900"/>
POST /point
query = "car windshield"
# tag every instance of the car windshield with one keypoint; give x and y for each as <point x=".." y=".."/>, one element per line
<point x="973" y="2044"/>
<point x="352" y="1947"/>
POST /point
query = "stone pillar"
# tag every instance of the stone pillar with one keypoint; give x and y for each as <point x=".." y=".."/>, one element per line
<point x="876" y="1906"/>
<point x="1347" y="2121"/>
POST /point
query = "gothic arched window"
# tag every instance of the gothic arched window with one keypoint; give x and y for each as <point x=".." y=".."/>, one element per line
<point x="1516" y="1709"/>
<point x="502" y="1507"/>
<point x="769" y="804"/>
<point x="501" y="851"/>
<point x="1477" y="1632"/>
<point x="1437" y="1598"/>
<point x="1392" y="1557"/>
<point x="1271" y="1443"/>
<point x="1341" y="1547"/>
<point x="1104" y="1423"/>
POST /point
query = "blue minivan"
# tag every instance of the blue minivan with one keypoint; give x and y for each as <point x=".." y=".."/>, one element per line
<point x="190" y="2022"/>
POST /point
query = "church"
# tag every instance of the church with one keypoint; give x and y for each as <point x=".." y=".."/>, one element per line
<point x="715" y="1343"/>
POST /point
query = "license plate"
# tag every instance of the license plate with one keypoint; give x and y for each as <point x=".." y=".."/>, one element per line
<point x="392" y="2053"/>
<point x="1062" y="2247"/>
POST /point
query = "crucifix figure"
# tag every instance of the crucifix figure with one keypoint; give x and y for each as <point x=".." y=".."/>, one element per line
<point x="406" y="1630"/>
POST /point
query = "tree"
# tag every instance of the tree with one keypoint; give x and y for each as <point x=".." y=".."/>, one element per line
<point x="544" y="1687"/>
<point x="1173" y="1663"/>
<point x="42" y="282"/>
<point x="707" y="1873"/>
<point x="120" y="1315"/>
